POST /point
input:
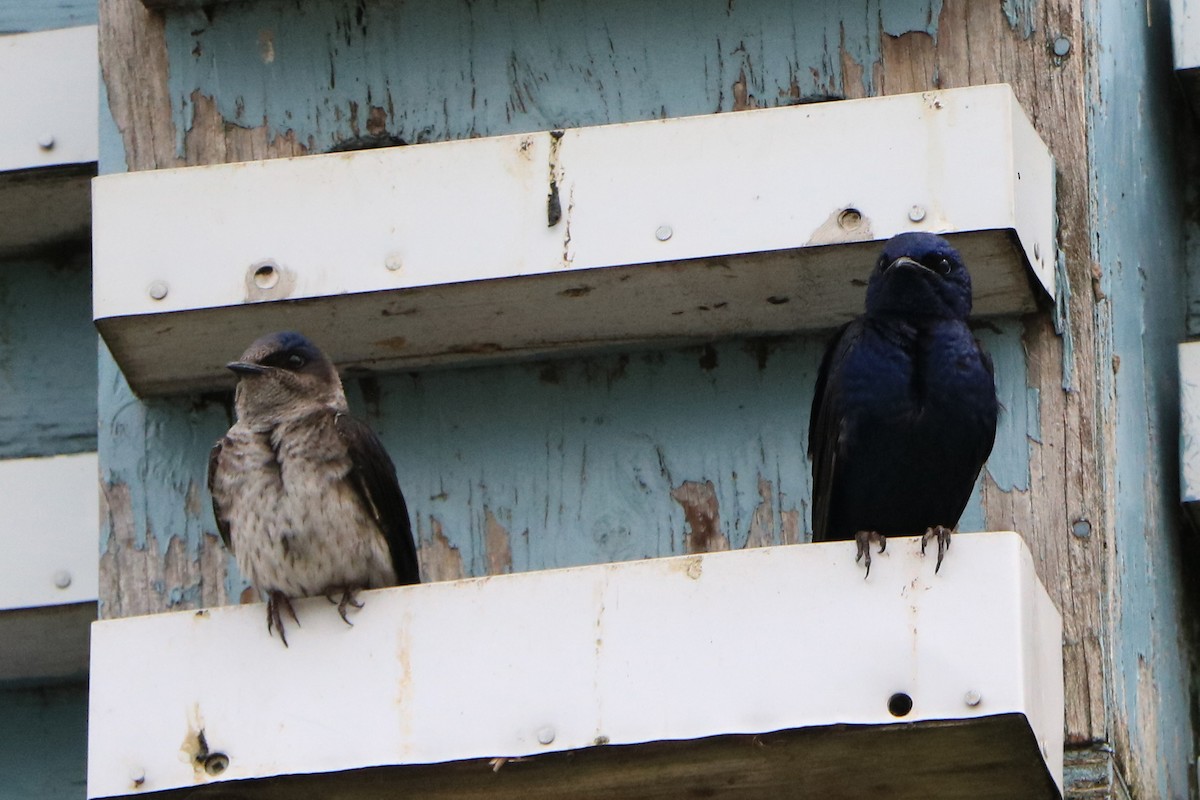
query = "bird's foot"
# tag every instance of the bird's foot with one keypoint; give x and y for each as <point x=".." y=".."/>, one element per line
<point x="864" y="539"/>
<point x="942" y="534"/>
<point x="277" y="600"/>
<point x="346" y="601"/>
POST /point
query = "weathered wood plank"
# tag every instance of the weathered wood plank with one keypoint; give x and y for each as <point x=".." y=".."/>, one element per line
<point x="992" y="758"/>
<point x="599" y="71"/>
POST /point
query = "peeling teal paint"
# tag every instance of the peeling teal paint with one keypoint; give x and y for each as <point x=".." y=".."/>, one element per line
<point x="1008" y="464"/>
<point x="26" y="16"/>
<point x="1020" y="15"/>
<point x="47" y="364"/>
<point x="317" y="69"/>
<point x="1135" y="122"/>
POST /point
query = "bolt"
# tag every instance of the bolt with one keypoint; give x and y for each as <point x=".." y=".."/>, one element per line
<point x="1081" y="529"/>
<point x="157" y="290"/>
<point x="46" y="142"/>
<point x="916" y="213"/>
<point x="62" y="579"/>
<point x="216" y="763"/>
<point x="1062" y="46"/>
<point x="138" y="776"/>
<point x="972" y="698"/>
<point x="545" y="734"/>
<point x="663" y="233"/>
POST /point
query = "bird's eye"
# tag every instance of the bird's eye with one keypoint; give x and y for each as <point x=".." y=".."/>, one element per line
<point x="295" y="361"/>
<point x="942" y="266"/>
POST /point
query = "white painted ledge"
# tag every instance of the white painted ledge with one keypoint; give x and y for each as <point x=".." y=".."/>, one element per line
<point x="752" y="223"/>
<point x="1189" y="427"/>
<point x="49" y="569"/>
<point x="785" y="639"/>
<point x="1185" y="30"/>
<point x="49" y="135"/>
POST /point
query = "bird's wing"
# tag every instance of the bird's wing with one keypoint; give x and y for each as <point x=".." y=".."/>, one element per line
<point x="214" y="459"/>
<point x="825" y="427"/>
<point x="374" y="479"/>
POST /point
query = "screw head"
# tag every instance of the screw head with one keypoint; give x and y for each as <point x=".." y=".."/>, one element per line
<point x="545" y="734"/>
<point x="663" y="233"/>
<point x="916" y="213"/>
<point x="137" y="776"/>
<point x="157" y="290"/>
<point x="393" y="263"/>
<point x="46" y="141"/>
<point x="216" y="763"/>
<point x="62" y="579"/>
<point x="973" y="698"/>
<point x="1062" y="46"/>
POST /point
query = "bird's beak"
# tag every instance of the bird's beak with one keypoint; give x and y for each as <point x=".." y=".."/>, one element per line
<point x="245" y="368"/>
<point x="907" y="262"/>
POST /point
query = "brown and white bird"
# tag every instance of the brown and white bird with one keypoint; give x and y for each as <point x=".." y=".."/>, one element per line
<point x="304" y="494"/>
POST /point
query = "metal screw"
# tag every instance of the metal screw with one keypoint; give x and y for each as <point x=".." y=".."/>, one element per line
<point x="138" y="776"/>
<point x="663" y="233"/>
<point x="545" y="734"/>
<point x="972" y="698"/>
<point x="46" y="142"/>
<point x="849" y="219"/>
<point x="216" y="763"/>
<point x="1081" y="529"/>
<point x="1062" y="46"/>
<point x="62" y="579"/>
<point x="393" y="263"/>
<point x="157" y="290"/>
<point x="916" y="213"/>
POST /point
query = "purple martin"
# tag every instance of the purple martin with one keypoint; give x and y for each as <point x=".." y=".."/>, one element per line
<point x="304" y="494"/>
<point x="904" y="413"/>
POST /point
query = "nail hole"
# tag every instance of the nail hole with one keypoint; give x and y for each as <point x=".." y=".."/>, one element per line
<point x="266" y="276"/>
<point x="899" y="704"/>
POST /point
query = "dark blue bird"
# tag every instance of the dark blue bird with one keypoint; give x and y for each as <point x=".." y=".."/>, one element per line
<point x="904" y="413"/>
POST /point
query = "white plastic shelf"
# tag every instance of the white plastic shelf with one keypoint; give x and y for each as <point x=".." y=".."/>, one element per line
<point x="761" y="222"/>
<point x="49" y="134"/>
<point x="49" y="573"/>
<point x="1189" y="427"/>
<point x="1185" y="29"/>
<point x="696" y="672"/>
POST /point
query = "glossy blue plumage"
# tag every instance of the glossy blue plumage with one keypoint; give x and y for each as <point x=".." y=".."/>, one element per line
<point x="905" y="409"/>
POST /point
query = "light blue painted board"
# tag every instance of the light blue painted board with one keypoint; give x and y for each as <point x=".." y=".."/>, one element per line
<point x="43" y="743"/>
<point x="47" y="357"/>
<point x="1134" y="120"/>
<point x="578" y="459"/>
<point x="443" y="70"/>
<point x="25" y="16"/>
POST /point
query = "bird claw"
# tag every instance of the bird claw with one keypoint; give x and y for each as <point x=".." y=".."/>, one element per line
<point x="275" y="601"/>
<point x="863" y="539"/>
<point x="942" y="534"/>
<point x="347" y="600"/>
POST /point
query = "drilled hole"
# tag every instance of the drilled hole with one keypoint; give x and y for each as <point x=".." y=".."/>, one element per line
<point x="850" y="219"/>
<point x="266" y="276"/>
<point x="899" y="704"/>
